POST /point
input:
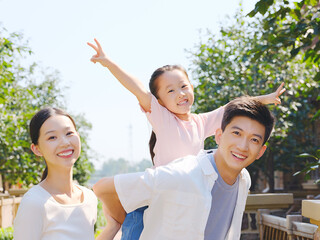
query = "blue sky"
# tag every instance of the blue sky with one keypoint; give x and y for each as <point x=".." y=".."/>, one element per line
<point x="139" y="35"/>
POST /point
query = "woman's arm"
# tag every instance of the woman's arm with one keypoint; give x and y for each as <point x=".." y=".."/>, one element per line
<point x="28" y="223"/>
<point x="131" y="83"/>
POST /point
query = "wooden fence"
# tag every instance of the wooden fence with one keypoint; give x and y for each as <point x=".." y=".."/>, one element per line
<point x="8" y="210"/>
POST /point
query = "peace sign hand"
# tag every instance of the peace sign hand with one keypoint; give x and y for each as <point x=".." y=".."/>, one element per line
<point x="100" y="56"/>
<point x="274" y="97"/>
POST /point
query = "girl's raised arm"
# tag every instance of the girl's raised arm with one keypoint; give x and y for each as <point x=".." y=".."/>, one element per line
<point x="272" y="98"/>
<point x="131" y="83"/>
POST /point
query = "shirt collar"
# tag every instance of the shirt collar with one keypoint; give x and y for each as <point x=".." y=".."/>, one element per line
<point x="205" y="163"/>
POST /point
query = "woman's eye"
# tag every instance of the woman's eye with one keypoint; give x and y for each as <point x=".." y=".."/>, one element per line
<point x="51" y="138"/>
<point x="69" y="133"/>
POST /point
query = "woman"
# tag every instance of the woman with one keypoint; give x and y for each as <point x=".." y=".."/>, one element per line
<point x="56" y="208"/>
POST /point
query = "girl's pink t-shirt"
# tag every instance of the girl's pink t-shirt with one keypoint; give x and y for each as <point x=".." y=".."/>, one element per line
<point x="177" y="138"/>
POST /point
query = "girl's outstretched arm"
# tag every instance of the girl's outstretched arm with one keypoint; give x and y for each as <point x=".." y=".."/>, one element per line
<point x="131" y="83"/>
<point x="272" y="98"/>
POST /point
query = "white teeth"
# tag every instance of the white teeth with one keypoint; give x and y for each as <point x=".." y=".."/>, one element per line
<point x="65" y="153"/>
<point x="185" y="101"/>
<point x="238" y="156"/>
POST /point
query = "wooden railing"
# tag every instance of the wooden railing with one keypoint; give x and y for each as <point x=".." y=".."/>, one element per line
<point x="254" y="202"/>
<point x="289" y="228"/>
<point x="8" y="210"/>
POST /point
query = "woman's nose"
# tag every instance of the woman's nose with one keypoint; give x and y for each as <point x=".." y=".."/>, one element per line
<point x="65" y="140"/>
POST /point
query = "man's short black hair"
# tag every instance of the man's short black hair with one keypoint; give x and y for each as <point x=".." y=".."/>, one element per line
<point x="249" y="107"/>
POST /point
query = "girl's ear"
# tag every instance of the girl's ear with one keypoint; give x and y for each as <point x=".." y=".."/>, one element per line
<point x="218" y="135"/>
<point x="35" y="149"/>
<point x="192" y="87"/>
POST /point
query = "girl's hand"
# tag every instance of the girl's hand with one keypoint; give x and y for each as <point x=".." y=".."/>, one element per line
<point x="100" y="56"/>
<point x="272" y="98"/>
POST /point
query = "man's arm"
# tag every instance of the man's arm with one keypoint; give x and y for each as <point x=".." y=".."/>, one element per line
<point x="106" y="192"/>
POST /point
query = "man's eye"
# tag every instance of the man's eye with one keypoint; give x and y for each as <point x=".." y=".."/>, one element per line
<point x="255" y="140"/>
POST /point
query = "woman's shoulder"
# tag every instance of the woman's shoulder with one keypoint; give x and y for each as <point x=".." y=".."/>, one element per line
<point x="34" y="198"/>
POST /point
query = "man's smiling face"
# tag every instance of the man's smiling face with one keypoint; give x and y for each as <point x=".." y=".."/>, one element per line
<point x="240" y="144"/>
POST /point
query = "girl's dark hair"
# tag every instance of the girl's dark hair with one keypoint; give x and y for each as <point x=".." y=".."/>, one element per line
<point x="153" y="86"/>
<point x="249" y="107"/>
<point x="36" y="123"/>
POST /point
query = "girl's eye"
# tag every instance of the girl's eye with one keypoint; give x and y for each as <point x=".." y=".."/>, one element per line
<point x="183" y="86"/>
<point x="51" y="138"/>
<point x="69" y="133"/>
<point x="170" y="91"/>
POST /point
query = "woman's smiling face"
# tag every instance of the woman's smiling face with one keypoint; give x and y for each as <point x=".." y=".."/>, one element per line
<point x="59" y="142"/>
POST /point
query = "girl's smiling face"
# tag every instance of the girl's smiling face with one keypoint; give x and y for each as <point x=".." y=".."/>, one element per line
<point x="175" y="92"/>
<point x="59" y="142"/>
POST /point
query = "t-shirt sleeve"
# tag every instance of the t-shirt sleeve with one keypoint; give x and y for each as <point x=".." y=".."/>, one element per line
<point x="28" y="222"/>
<point x="158" y="115"/>
<point x="212" y="121"/>
<point x="135" y="189"/>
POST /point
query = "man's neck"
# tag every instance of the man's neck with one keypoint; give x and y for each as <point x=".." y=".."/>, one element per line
<point x="229" y="176"/>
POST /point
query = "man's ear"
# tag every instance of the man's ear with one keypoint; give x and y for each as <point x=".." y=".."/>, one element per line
<point x="218" y="135"/>
<point x="35" y="149"/>
<point x="262" y="150"/>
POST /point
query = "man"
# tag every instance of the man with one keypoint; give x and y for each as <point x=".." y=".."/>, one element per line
<point x="196" y="197"/>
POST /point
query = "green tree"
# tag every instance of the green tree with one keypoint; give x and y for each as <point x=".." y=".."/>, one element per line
<point x="294" y="26"/>
<point x="224" y="68"/>
<point x="23" y="91"/>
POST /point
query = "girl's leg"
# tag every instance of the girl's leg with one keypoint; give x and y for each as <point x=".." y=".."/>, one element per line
<point x="133" y="225"/>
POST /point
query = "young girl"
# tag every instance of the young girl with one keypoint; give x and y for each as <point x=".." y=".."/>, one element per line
<point x="56" y="208"/>
<point x="176" y="131"/>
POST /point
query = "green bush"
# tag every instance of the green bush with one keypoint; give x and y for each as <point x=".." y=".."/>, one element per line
<point x="6" y="233"/>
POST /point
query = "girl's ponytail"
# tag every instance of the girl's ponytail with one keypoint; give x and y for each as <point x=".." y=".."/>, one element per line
<point x="152" y="143"/>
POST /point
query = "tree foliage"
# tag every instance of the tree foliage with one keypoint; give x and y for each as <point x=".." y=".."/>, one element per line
<point x="291" y="25"/>
<point x="224" y="68"/>
<point x="24" y="89"/>
<point x="294" y="26"/>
